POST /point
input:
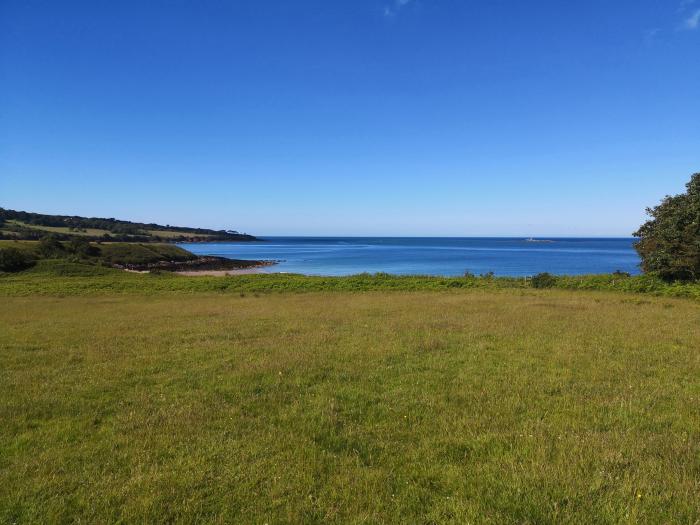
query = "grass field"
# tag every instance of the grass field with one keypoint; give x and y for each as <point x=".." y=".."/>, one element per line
<point x="455" y="406"/>
<point x="96" y="232"/>
<point x="61" y="229"/>
<point x="61" y="277"/>
<point x="175" y="234"/>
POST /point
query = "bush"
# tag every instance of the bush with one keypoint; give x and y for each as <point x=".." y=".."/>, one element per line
<point x="82" y="248"/>
<point x="14" y="260"/>
<point x="50" y="247"/>
<point x="543" y="280"/>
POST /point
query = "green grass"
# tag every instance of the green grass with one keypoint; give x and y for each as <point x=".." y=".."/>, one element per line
<point x="30" y="247"/>
<point x="96" y="232"/>
<point x="156" y="235"/>
<point x="92" y="232"/>
<point x="57" y="278"/>
<point x="455" y="406"/>
<point x="174" y="234"/>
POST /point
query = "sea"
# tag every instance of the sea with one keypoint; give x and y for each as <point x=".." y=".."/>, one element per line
<point x="446" y="256"/>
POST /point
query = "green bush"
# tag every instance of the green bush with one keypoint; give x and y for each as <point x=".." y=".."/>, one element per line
<point x="621" y="274"/>
<point x="50" y="247"/>
<point x="81" y="248"/>
<point x="543" y="280"/>
<point x="14" y="260"/>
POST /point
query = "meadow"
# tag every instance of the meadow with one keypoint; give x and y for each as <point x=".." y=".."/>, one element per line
<point x="155" y="398"/>
<point x="85" y="232"/>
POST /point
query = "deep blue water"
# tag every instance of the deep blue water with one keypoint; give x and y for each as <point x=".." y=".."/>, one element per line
<point x="434" y="256"/>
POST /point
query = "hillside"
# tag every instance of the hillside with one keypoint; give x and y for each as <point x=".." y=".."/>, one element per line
<point x="22" y="225"/>
<point x="84" y="258"/>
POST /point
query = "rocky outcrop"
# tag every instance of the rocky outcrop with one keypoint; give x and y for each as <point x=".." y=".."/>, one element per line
<point x="200" y="263"/>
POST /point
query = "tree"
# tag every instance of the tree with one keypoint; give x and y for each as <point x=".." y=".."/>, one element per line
<point x="14" y="260"/>
<point x="669" y="242"/>
<point x="50" y="247"/>
<point x="81" y="247"/>
<point x="543" y="280"/>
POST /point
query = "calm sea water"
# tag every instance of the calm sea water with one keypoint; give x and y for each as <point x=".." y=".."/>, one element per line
<point x="433" y="256"/>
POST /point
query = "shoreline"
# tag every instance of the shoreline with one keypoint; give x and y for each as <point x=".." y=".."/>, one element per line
<point x="223" y="273"/>
<point x="198" y="265"/>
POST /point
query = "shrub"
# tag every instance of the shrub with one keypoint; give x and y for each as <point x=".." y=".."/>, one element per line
<point x="82" y="248"/>
<point x="50" y="247"/>
<point x="543" y="280"/>
<point x="14" y="260"/>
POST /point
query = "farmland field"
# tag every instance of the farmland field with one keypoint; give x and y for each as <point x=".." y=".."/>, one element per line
<point x="165" y="234"/>
<point x="62" y="229"/>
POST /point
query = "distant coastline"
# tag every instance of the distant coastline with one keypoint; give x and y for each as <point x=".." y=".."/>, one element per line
<point x="22" y="225"/>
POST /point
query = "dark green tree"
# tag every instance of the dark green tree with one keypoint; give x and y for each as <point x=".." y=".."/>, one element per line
<point x="543" y="280"/>
<point x="14" y="260"/>
<point x="80" y="247"/>
<point x="669" y="242"/>
<point x="50" y="247"/>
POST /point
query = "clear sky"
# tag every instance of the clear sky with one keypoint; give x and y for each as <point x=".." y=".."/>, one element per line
<point x="351" y="117"/>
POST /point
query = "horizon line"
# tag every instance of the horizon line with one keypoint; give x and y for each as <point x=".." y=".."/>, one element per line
<point x="535" y="237"/>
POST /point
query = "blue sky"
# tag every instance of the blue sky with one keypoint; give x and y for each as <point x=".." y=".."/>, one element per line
<point x="357" y="117"/>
